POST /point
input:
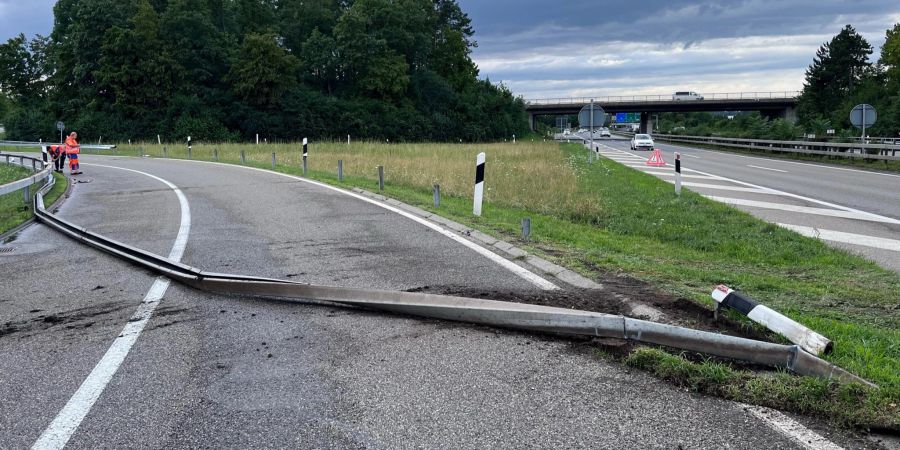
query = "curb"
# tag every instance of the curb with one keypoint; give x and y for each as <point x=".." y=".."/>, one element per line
<point x="540" y="265"/>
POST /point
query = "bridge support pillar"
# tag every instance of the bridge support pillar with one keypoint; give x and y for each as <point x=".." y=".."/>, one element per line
<point x="790" y="114"/>
<point x="531" y="121"/>
<point x="646" y="123"/>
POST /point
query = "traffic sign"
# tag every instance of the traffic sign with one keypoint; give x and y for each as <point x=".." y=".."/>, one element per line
<point x="862" y="116"/>
<point x="584" y="117"/>
<point x="60" y="126"/>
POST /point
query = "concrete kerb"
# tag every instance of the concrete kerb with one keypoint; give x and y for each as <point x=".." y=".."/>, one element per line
<point x="541" y="265"/>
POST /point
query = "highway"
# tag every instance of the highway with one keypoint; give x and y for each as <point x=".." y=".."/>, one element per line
<point x="853" y="209"/>
<point x="204" y="370"/>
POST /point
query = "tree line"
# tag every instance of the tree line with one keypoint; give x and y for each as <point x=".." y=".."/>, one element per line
<point x="230" y="69"/>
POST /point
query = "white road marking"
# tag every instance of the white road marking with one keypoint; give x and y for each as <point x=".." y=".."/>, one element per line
<point x="67" y="421"/>
<point x="795" y="208"/>
<point x="691" y="156"/>
<point x="672" y="174"/>
<point x="723" y="187"/>
<point x="791" y="429"/>
<point x="788" y="194"/>
<point x="522" y="272"/>
<point x="846" y="238"/>
<point x="767" y="168"/>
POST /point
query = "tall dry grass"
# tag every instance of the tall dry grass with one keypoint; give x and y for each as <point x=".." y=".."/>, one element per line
<point x="532" y="175"/>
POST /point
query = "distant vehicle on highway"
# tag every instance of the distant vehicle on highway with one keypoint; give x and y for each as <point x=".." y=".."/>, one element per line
<point x="604" y="132"/>
<point x="642" y="141"/>
<point x="687" y="95"/>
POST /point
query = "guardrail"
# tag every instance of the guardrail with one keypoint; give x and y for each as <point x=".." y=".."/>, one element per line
<point x="778" y="95"/>
<point x="887" y="152"/>
<point x="27" y="144"/>
<point x="42" y="172"/>
<point x="461" y="309"/>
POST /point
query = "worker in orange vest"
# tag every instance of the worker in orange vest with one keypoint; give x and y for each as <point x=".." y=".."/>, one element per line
<point x="58" y="153"/>
<point x="72" y="150"/>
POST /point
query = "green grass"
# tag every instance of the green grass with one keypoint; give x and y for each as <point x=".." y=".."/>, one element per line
<point x="13" y="209"/>
<point x="618" y="219"/>
<point x="861" y="163"/>
<point x="843" y="404"/>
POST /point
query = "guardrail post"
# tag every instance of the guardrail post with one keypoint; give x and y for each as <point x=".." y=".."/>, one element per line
<point x="141" y="148"/>
<point x="26" y="195"/>
<point x="216" y="154"/>
<point x="273" y="160"/>
<point x="437" y="195"/>
<point x="165" y="152"/>
<point x="526" y="228"/>
<point x="341" y="170"/>
<point x="381" y="178"/>
<point x="243" y="158"/>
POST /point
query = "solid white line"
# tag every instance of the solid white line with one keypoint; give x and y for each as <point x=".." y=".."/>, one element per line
<point x="795" y="208"/>
<point x="791" y="429"/>
<point x="691" y="156"/>
<point x="722" y="187"/>
<point x="69" y="418"/>
<point x="846" y="238"/>
<point x="799" y="197"/>
<point x="525" y="274"/>
<point x="672" y="174"/>
<point x="767" y="168"/>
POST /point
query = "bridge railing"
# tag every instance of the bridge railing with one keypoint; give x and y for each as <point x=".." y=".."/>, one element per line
<point x="888" y="152"/>
<point x="774" y="95"/>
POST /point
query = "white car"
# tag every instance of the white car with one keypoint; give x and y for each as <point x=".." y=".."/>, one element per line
<point x="604" y="132"/>
<point x="687" y="95"/>
<point x="642" y="141"/>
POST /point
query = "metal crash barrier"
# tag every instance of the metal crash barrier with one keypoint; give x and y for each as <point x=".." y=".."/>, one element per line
<point x="461" y="309"/>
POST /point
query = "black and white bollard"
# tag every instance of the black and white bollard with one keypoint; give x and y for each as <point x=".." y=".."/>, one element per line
<point x="44" y="154"/>
<point x="341" y="170"/>
<point x="677" y="173"/>
<point x="479" y="183"/>
<point x="190" y="148"/>
<point x="305" y="154"/>
<point x="381" y="178"/>
<point x="807" y="339"/>
<point x="436" y="192"/>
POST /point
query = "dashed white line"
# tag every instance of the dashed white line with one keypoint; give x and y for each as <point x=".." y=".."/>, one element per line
<point x="846" y="238"/>
<point x="672" y="174"/>
<point x="725" y="188"/>
<point x="790" y="428"/>
<point x="79" y="405"/>
<point x="795" y="208"/>
<point x="767" y="168"/>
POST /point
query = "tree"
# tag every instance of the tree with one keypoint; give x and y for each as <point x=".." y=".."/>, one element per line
<point x="837" y="71"/>
<point x="262" y="71"/>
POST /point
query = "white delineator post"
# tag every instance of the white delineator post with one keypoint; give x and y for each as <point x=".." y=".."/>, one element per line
<point x="158" y="139"/>
<point x="677" y="173"/>
<point x="257" y="138"/>
<point x="305" y="154"/>
<point x="479" y="183"/>
<point x="807" y="339"/>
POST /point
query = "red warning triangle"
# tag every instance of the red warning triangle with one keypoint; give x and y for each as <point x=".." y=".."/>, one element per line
<point x="656" y="159"/>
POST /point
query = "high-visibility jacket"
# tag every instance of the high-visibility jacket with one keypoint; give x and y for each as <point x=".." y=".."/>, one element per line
<point x="55" y="150"/>
<point x="72" y="147"/>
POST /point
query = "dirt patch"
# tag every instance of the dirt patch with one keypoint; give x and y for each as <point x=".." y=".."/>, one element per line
<point x="620" y="295"/>
<point x="76" y="318"/>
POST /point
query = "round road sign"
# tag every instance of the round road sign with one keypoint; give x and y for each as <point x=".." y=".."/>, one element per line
<point x="60" y="126"/>
<point x="863" y="116"/>
<point x="584" y="116"/>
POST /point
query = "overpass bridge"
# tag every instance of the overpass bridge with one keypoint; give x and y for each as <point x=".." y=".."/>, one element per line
<point x="771" y="104"/>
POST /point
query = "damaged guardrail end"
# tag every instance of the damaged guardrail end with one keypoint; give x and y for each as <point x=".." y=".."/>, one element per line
<point x="797" y="333"/>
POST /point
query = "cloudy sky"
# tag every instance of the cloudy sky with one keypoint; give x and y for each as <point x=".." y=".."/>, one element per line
<point x="543" y="48"/>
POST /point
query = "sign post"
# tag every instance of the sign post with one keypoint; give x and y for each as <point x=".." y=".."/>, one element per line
<point x="60" y="126"/>
<point x="862" y="116"/>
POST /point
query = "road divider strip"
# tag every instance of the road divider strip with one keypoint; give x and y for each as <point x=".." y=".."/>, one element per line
<point x="469" y="310"/>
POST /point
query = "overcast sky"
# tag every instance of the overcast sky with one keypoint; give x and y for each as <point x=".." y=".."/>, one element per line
<point x="557" y="48"/>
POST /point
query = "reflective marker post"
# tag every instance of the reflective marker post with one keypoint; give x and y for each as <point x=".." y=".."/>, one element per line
<point x="677" y="173"/>
<point x="305" y="154"/>
<point x="479" y="183"/>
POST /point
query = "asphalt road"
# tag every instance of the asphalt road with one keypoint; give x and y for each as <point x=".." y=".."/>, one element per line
<point x="853" y="209"/>
<point x="215" y="371"/>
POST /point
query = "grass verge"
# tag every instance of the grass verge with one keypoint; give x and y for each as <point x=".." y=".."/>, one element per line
<point x="867" y="164"/>
<point x="13" y="209"/>
<point x="607" y="217"/>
